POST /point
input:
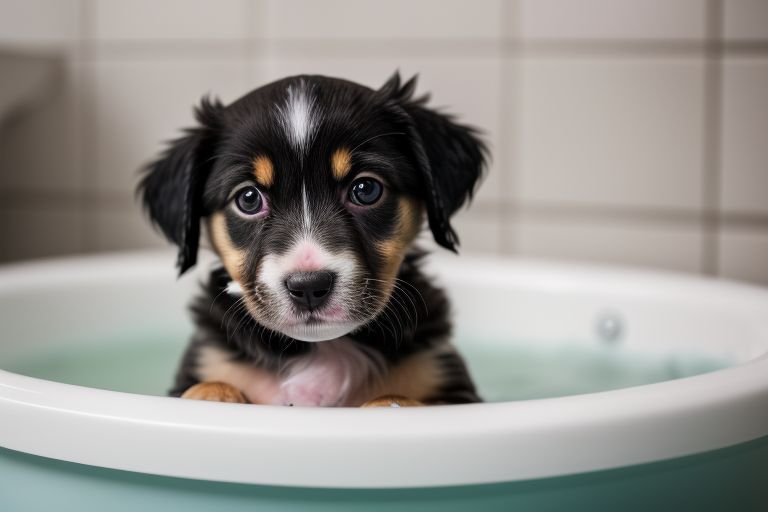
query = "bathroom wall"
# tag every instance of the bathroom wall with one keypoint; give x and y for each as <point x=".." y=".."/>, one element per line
<point x="623" y="131"/>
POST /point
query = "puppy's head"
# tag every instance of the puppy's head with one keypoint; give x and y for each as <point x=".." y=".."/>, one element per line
<point x="312" y="189"/>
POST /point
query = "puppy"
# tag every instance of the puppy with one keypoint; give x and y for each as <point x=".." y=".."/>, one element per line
<point x="312" y="190"/>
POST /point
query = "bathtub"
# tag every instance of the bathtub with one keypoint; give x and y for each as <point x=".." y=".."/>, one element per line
<point x="608" y="389"/>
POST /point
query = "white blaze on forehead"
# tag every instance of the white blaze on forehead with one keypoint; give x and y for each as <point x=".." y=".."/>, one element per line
<point x="305" y="209"/>
<point x="297" y="115"/>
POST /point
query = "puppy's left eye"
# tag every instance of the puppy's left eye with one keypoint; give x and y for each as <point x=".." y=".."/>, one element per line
<point x="365" y="191"/>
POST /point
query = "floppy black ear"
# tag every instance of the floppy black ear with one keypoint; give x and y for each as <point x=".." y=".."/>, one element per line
<point x="172" y="187"/>
<point x="450" y="157"/>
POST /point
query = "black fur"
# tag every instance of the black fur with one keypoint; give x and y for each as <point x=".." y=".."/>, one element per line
<point x="173" y="186"/>
<point x="449" y="157"/>
<point x="419" y="153"/>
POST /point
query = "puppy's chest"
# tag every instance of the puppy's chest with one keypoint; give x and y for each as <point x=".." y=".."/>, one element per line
<point x="333" y="373"/>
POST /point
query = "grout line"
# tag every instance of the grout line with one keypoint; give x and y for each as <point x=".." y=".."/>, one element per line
<point x="713" y="80"/>
<point x="83" y="198"/>
<point x="508" y="123"/>
<point x="229" y="50"/>
<point x="88" y="114"/>
<point x="633" y="47"/>
<point x="499" y="155"/>
<point x="83" y="56"/>
<point x="609" y="47"/>
<point x="232" y="49"/>
<point x="745" y="47"/>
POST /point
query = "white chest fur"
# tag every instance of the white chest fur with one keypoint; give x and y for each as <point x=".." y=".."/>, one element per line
<point x="332" y="373"/>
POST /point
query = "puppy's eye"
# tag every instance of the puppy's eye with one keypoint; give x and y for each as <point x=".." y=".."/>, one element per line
<point x="365" y="191"/>
<point x="249" y="201"/>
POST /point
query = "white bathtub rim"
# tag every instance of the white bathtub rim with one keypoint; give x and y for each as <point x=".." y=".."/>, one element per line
<point x="250" y="444"/>
<point x="492" y="442"/>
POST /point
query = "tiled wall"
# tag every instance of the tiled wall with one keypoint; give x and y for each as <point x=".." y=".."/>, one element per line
<point x="623" y="131"/>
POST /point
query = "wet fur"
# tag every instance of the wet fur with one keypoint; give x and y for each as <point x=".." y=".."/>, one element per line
<point x="431" y="165"/>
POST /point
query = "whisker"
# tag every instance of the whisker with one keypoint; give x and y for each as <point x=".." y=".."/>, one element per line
<point x="213" y="302"/>
<point x="393" y="297"/>
<point x="376" y="137"/>
<point x="418" y="292"/>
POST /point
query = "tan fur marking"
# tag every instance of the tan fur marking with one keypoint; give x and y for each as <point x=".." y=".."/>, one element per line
<point x="417" y="377"/>
<point x="258" y="386"/>
<point x="215" y="392"/>
<point x="341" y="163"/>
<point x="222" y="243"/>
<point x="393" y="250"/>
<point x="264" y="171"/>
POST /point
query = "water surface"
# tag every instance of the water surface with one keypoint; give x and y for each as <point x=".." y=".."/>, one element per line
<point x="517" y="371"/>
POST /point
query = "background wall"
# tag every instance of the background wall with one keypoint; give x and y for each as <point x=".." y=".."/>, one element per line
<point x="623" y="131"/>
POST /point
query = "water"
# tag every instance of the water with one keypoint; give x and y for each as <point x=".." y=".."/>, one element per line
<point x="517" y="371"/>
<point x="524" y="371"/>
<point x="146" y="367"/>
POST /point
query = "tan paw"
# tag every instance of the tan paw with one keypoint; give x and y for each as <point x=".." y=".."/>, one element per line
<point x="215" y="392"/>
<point x="392" y="401"/>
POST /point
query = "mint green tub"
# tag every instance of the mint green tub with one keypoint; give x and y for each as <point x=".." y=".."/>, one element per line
<point x="607" y="389"/>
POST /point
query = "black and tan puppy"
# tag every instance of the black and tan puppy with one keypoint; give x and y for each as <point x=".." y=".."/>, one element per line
<point x="312" y="190"/>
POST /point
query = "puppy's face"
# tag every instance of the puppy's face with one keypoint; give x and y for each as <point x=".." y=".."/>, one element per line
<point x="312" y="189"/>
<point x="313" y="203"/>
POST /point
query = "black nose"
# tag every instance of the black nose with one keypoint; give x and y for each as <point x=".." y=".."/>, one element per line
<point x="310" y="289"/>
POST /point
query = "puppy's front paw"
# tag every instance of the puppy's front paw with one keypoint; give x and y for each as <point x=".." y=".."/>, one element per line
<point x="215" y="392"/>
<point x="392" y="401"/>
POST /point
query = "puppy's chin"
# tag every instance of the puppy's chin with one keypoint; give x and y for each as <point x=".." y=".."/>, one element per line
<point x="319" y="331"/>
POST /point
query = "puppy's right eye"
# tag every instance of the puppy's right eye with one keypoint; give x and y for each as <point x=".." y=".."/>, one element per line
<point x="249" y="200"/>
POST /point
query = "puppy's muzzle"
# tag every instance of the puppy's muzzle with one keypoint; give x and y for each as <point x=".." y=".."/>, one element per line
<point x="310" y="290"/>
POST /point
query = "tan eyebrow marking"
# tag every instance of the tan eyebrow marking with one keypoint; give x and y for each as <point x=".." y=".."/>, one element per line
<point x="341" y="163"/>
<point x="264" y="171"/>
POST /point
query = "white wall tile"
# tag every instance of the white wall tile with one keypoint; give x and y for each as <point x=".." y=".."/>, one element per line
<point x="40" y="143"/>
<point x="673" y="246"/>
<point x="611" y="131"/>
<point x="39" y="229"/>
<point x="744" y="254"/>
<point x="38" y="22"/>
<point x="745" y="19"/>
<point x="744" y="172"/>
<point x="120" y="229"/>
<point x="609" y="19"/>
<point x="467" y="87"/>
<point x="346" y="19"/>
<point x="138" y="105"/>
<point x="170" y="19"/>
<point x="479" y="233"/>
